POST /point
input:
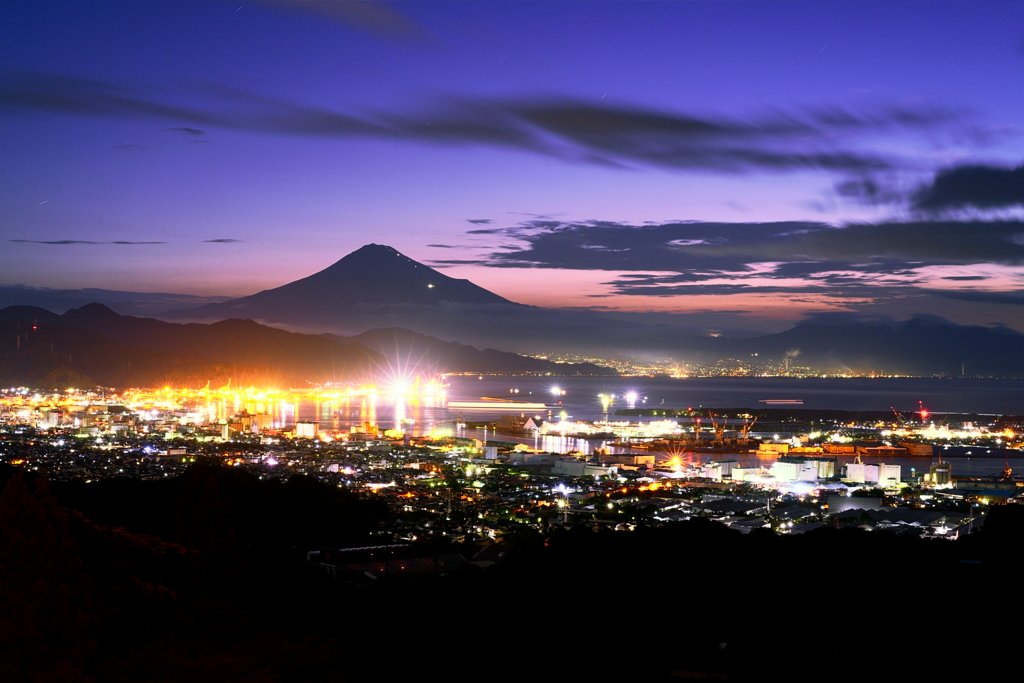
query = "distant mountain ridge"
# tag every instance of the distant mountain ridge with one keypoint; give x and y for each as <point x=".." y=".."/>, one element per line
<point x="96" y="343"/>
<point x="407" y="348"/>
<point x="923" y="345"/>
<point x="376" y="289"/>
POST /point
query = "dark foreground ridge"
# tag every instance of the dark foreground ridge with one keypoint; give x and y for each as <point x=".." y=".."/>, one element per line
<point x="202" y="578"/>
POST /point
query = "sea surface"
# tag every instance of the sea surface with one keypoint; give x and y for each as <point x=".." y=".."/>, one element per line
<point x="582" y="402"/>
<point x="579" y="398"/>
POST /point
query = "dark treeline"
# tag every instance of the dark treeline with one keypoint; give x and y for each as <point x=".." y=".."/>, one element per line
<point x="201" y="578"/>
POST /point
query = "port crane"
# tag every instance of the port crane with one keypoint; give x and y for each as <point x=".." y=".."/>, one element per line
<point x="899" y="416"/>
<point x="719" y="429"/>
<point x="747" y="426"/>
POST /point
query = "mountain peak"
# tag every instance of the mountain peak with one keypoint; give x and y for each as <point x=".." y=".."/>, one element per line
<point x="93" y="310"/>
<point x="374" y="275"/>
<point x="372" y="251"/>
<point x="374" y="248"/>
<point x="372" y="256"/>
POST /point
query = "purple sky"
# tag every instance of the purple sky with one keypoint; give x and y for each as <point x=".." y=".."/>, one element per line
<point x="557" y="152"/>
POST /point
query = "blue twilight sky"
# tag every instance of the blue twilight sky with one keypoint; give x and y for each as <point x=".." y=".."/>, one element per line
<point x="743" y="163"/>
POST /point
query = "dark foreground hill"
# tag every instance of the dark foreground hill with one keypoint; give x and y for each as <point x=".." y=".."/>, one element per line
<point x="408" y="349"/>
<point x="184" y="580"/>
<point x="95" y="345"/>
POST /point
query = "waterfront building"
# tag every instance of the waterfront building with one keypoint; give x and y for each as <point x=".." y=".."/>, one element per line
<point x="305" y="430"/>
<point x="941" y="474"/>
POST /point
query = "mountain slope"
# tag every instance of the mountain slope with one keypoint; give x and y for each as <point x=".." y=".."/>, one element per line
<point x="374" y="275"/>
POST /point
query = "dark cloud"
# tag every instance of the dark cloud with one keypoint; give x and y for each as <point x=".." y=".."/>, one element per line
<point x="54" y="242"/>
<point x="191" y="132"/>
<point x="479" y="221"/>
<point x="734" y="283"/>
<point x="1013" y="298"/>
<point x="444" y="263"/>
<point x="868" y="191"/>
<point x="66" y="95"/>
<point x="856" y="260"/>
<point x="63" y="242"/>
<point x="804" y="247"/>
<point x="443" y="246"/>
<point x="488" y="231"/>
<point x="573" y="130"/>
<point x="977" y="186"/>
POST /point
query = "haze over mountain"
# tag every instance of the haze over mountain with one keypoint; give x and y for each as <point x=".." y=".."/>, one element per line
<point x="376" y="287"/>
<point x="923" y="345"/>
<point x="124" y="350"/>
<point x="379" y="289"/>
<point x="94" y="345"/>
<point x="407" y="349"/>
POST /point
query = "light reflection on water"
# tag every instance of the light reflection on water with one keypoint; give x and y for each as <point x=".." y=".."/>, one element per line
<point x="581" y="402"/>
<point x="335" y="414"/>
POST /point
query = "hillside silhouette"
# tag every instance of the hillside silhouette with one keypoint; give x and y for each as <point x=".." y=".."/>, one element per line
<point x="96" y="344"/>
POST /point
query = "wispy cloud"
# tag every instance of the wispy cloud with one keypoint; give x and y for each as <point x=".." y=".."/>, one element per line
<point x="374" y="18"/>
<point x="185" y="130"/>
<point x="133" y="147"/>
<point x="66" y="242"/>
<point x="591" y="132"/>
<point x="223" y="240"/>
